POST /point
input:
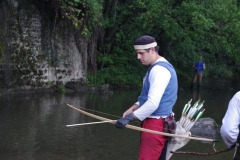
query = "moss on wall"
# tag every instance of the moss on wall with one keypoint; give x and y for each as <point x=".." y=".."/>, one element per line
<point x="42" y="49"/>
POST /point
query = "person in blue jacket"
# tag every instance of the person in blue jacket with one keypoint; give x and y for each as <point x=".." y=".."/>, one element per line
<point x="198" y="70"/>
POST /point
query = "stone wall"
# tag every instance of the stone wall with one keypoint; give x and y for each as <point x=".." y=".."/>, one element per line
<point x="40" y="50"/>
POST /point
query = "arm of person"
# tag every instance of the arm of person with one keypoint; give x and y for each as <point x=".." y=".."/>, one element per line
<point x="230" y="123"/>
<point x="131" y="110"/>
<point x="159" y="78"/>
<point x="194" y="67"/>
<point x="204" y="66"/>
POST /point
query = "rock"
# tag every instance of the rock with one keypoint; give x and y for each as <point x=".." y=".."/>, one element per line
<point x="205" y="127"/>
<point x="105" y="87"/>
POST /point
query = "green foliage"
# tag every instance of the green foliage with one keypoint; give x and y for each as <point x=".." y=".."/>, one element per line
<point x="218" y="71"/>
<point x="24" y="63"/>
<point x="49" y="83"/>
<point x="186" y="74"/>
<point x="117" y="70"/>
<point x="105" y="60"/>
<point x="84" y="14"/>
<point x="206" y="29"/>
<point x="92" y="80"/>
<point x="183" y="29"/>
<point x="61" y="88"/>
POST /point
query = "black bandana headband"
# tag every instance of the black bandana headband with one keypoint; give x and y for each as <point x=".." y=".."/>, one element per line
<point x="145" y="42"/>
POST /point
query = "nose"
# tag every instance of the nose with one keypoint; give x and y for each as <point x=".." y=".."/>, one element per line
<point x="138" y="56"/>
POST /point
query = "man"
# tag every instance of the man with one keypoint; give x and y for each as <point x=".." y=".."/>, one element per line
<point x="155" y="103"/>
<point x="230" y="125"/>
<point x="198" y="69"/>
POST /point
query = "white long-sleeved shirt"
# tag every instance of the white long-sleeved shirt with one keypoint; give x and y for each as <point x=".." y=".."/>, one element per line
<point x="159" y="78"/>
<point x="230" y="123"/>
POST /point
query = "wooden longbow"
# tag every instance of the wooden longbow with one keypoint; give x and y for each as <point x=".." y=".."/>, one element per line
<point x="139" y="128"/>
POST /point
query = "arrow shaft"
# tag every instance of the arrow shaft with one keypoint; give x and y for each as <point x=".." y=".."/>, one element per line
<point x="83" y="124"/>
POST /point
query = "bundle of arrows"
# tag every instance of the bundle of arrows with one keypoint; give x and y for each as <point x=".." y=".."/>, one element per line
<point x="191" y="114"/>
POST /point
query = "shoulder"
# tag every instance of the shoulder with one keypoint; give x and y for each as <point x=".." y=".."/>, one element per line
<point x="162" y="59"/>
<point x="163" y="62"/>
<point x="235" y="101"/>
<point x="160" y="72"/>
<point x="159" y="69"/>
<point x="237" y="95"/>
<point x="159" y="75"/>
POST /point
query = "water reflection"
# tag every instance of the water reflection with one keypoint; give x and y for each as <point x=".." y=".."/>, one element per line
<point x="196" y="95"/>
<point x="31" y="126"/>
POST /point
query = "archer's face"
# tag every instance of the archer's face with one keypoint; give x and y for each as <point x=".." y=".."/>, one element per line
<point x="144" y="57"/>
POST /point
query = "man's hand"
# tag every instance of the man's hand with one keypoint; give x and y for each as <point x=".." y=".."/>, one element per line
<point x="121" y="123"/>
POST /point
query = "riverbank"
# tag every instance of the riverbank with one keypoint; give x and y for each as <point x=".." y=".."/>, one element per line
<point x="68" y="88"/>
<point x="184" y="84"/>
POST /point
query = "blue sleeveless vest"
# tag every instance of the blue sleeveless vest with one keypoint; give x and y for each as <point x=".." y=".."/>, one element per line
<point x="169" y="96"/>
<point x="199" y="66"/>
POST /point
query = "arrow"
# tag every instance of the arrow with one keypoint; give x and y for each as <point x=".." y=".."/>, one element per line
<point x="83" y="124"/>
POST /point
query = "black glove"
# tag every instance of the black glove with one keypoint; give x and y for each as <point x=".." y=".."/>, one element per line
<point x="121" y="123"/>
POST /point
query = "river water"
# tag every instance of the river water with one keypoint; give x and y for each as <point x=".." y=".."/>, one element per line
<point x="32" y="126"/>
